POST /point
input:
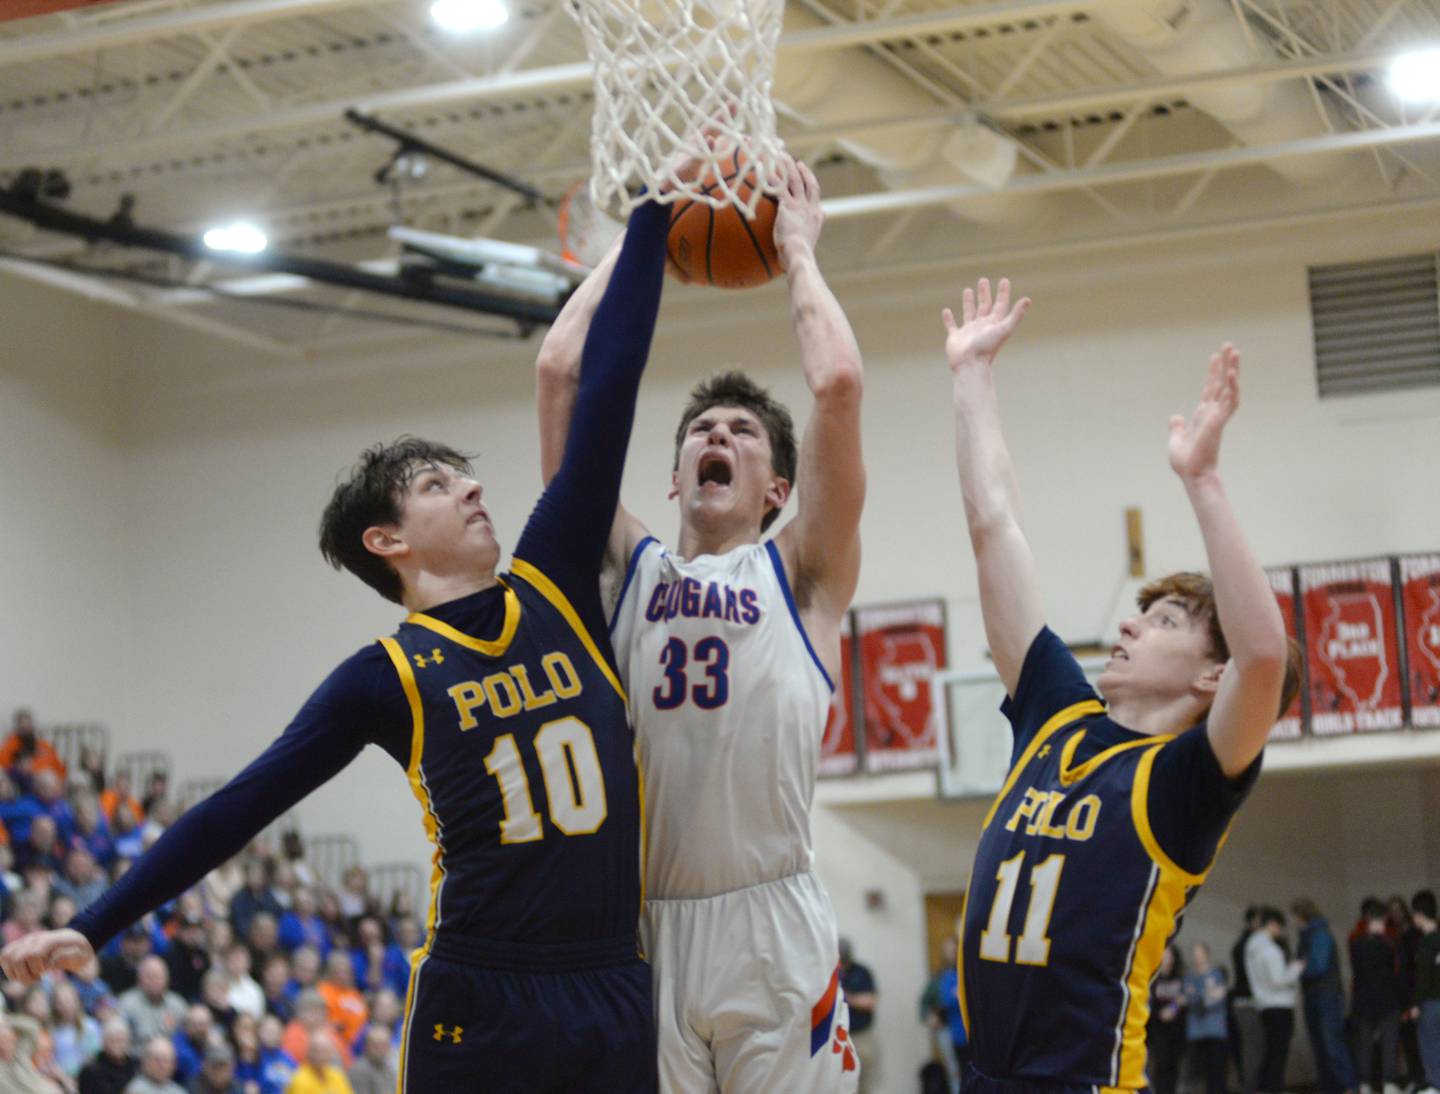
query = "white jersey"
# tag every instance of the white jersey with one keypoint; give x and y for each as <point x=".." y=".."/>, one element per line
<point x="729" y="701"/>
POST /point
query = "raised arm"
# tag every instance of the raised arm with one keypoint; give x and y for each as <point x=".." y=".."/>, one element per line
<point x="571" y="532"/>
<point x="822" y="544"/>
<point x="557" y="368"/>
<point x="1009" y="591"/>
<point x="1247" y="701"/>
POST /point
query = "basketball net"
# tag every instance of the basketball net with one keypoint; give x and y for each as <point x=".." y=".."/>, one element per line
<point x="666" y="70"/>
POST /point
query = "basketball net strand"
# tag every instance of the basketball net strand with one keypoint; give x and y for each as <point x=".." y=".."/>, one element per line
<point x="668" y="70"/>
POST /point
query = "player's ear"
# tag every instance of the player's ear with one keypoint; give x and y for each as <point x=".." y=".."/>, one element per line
<point x="674" y="486"/>
<point x="1208" y="682"/>
<point x="777" y="493"/>
<point x="384" y="540"/>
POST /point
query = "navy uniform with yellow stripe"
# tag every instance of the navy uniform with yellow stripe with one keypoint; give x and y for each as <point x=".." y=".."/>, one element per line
<point x="525" y="766"/>
<point x="504" y="710"/>
<point x="1096" y="843"/>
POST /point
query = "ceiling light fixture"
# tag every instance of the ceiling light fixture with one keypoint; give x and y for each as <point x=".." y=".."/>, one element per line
<point x="241" y="237"/>
<point x="464" y="16"/>
<point x="1415" y="77"/>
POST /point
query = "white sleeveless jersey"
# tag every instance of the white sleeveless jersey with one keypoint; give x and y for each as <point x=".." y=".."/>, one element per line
<point x="729" y="701"/>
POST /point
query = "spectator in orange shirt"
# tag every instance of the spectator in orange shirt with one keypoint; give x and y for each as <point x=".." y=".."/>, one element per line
<point x="348" y="1012"/>
<point x="311" y="1021"/>
<point x="120" y="790"/>
<point x="25" y="752"/>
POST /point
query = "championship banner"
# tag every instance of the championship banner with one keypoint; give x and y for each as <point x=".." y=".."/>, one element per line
<point x="1420" y="603"/>
<point x="1351" y="647"/>
<point x="1291" y="724"/>
<point x="837" y="746"/>
<point x="901" y="646"/>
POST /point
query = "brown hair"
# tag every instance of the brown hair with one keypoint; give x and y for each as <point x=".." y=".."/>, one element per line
<point x="374" y="493"/>
<point x="1197" y="593"/>
<point x="736" y="389"/>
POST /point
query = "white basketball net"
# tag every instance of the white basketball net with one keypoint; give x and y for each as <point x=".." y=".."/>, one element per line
<point x="664" y="71"/>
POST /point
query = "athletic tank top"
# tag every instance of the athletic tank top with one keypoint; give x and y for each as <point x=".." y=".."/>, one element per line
<point x="729" y="702"/>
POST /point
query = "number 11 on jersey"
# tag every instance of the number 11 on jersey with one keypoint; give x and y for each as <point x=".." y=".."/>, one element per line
<point x="1033" y="946"/>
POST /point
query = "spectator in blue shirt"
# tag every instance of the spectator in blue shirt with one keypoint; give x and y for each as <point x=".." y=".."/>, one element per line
<point x="1206" y="1027"/>
<point x="300" y="926"/>
<point x="47" y="791"/>
<point x="1324" y="1000"/>
<point x="378" y="964"/>
<point x="255" y="898"/>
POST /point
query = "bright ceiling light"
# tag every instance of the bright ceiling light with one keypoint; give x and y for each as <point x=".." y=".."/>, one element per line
<point x="240" y="237"/>
<point x="1415" y="77"/>
<point x="464" y="16"/>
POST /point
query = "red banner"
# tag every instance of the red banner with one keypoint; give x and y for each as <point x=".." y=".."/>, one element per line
<point x="1351" y="647"/>
<point x="900" y="648"/>
<point x="1282" y="581"/>
<point x="837" y="746"/>
<point x="1420" y="598"/>
<point x="20" y="9"/>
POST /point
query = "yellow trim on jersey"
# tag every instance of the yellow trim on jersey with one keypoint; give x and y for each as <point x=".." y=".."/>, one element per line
<point x="417" y="961"/>
<point x="1172" y="890"/>
<point x="644" y="826"/>
<point x="492" y="648"/>
<point x="1069" y="776"/>
<point x="1140" y="813"/>
<point x="1166" y="904"/>
<point x="551" y="592"/>
<point x="1056" y="722"/>
<point x="960" y="961"/>
<point x="417" y="780"/>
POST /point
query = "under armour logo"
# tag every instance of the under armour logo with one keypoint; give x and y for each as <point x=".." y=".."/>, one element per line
<point x="842" y="1044"/>
<point x="1044" y="751"/>
<point x="454" y="1034"/>
<point x="435" y="658"/>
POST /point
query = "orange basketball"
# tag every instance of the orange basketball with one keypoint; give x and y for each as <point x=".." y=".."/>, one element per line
<point x="723" y="247"/>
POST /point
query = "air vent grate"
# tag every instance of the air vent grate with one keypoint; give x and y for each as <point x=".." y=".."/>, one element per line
<point x="1377" y="325"/>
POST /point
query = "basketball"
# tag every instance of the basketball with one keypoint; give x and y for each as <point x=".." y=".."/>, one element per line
<point x="722" y="247"/>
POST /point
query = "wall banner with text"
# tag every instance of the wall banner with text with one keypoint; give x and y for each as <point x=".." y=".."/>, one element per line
<point x="1351" y="647"/>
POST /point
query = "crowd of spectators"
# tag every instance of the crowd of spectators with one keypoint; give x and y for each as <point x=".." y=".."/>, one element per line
<point x="260" y="980"/>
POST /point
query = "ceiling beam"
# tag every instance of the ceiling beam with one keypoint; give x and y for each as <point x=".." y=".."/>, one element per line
<point x="893" y="201"/>
<point x="126" y="32"/>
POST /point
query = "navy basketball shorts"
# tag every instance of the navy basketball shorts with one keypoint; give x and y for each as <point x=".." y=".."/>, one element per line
<point x="583" y="1023"/>
<point x="976" y="1082"/>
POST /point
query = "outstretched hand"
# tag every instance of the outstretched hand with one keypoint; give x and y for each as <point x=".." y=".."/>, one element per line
<point x="27" y="959"/>
<point x="799" y="218"/>
<point x="1195" y="445"/>
<point x="988" y="323"/>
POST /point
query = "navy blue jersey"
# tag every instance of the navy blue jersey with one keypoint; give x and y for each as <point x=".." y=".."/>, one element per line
<point x="501" y="706"/>
<point x="1096" y="843"/>
<point x="524" y="762"/>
